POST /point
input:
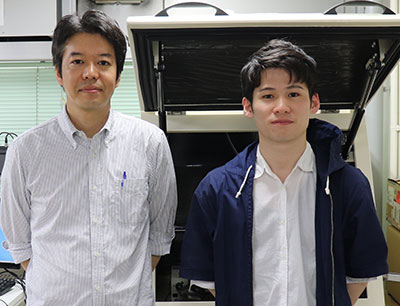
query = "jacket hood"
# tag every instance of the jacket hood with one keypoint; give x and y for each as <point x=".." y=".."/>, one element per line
<point x="325" y="140"/>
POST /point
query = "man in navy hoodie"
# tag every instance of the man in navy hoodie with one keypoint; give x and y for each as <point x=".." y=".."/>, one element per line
<point x="287" y="221"/>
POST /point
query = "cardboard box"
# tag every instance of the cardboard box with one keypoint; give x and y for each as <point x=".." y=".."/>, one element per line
<point x="389" y="301"/>
<point x="393" y="203"/>
<point x="393" y="241"/>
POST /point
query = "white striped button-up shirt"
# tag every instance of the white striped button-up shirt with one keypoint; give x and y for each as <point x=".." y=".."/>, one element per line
<point x="89" y="213"/>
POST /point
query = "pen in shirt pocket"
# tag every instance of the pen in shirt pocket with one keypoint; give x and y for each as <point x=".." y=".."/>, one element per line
<point x="123" y="179"/>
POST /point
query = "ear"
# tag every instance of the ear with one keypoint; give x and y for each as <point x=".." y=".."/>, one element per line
<point x="59" y="77"/>
<point x="117" y="81"/>
<point x="247" y="109"/>
<point x="315" y="103"/>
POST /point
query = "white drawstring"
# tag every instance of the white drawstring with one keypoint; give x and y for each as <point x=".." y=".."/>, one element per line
<point x="244" y="182"/>
<point x="328" y="193"/>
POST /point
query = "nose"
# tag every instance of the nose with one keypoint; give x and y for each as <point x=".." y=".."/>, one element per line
<point x="281" y="106"/>
<point x="90" y="72"/>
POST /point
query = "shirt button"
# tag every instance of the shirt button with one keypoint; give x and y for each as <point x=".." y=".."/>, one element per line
<point x="94" y="187"/>
<point x="282" y="222"/>
<point x="97" y="254"/>
<point x="97" y="288"/>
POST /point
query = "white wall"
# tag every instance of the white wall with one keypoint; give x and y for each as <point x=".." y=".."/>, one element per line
<point x="121" y="12"/>
<point x="374" y="119"/>
<point x="27" y="18"/>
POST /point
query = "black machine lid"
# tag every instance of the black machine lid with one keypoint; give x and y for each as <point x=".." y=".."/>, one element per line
<point x="193" y="62"/>
<point x="200" y="65"/>
<point x="203" y="73"/>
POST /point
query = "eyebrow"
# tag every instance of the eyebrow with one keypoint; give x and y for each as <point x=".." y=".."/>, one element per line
<point x="80" y="54"/>
<point x="266" y="88"/>
<point x="293" y="86"/>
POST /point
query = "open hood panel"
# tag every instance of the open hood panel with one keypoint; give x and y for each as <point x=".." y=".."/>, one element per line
<point x="201" y="58"/>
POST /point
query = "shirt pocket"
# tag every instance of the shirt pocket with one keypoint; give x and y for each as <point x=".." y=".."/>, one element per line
<point x="128" y="202"/>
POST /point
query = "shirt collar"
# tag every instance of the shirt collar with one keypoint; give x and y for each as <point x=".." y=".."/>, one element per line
<point x="108" y="128"/>
<point x="305" y="163"/>
<point x="71" y="132"/>
<point x="67" y="126"/>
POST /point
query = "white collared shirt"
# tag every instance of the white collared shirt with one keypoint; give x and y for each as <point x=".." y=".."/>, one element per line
<point x="284" y="265"/>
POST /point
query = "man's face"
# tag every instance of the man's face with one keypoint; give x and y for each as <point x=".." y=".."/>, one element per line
<point x="88" y="73"/>
<point x="281" y="108"/>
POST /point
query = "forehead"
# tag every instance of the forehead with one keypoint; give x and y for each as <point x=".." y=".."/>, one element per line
<point x="88" y="44"/>
<point x="279" y="76"/>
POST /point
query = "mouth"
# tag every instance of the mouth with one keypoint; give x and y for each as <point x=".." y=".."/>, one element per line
<point x="90" y="89"/>
<point x="282" y="122"/>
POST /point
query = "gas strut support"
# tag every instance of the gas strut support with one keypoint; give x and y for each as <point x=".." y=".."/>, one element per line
<point x="162" y="116"/>
<point x="372" y="67"/>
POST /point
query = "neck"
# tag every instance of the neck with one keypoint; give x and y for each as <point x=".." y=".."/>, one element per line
<point x="282" y="157"/>
<point x="90" y="122"/>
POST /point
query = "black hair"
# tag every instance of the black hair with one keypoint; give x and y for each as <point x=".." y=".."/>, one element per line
<point x="92" y="22"/>
<point x="278" y="53"/>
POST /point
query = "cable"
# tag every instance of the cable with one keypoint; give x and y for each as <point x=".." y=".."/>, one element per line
<point x="231" y="143"/>
<point x="12" y="273"/>
<point x="12" y="137"/>
<point x="1" y="133"/>
<point x="8" y="134"/>
<point x="19" y="280"/>
<point x="3" y="302"/>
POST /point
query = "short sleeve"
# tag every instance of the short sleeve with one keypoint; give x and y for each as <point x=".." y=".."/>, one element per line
<point x="197" y="258"/>
<point x="365" y="246"/>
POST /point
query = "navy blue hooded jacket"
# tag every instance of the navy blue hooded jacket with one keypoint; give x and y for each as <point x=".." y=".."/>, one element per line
<point x="217" y="245"/>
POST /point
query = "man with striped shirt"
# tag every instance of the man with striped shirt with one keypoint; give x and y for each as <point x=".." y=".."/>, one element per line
<point x="89" y="197"/>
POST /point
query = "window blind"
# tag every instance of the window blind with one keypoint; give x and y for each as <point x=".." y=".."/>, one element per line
<point x="30" y="95"/>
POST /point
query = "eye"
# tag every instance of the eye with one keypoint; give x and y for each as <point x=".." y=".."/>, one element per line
<point x="77" y="62"/>
<point x="267" y="96"/>
<point x="104" y="63"/>
<point x="294" y="94"/>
